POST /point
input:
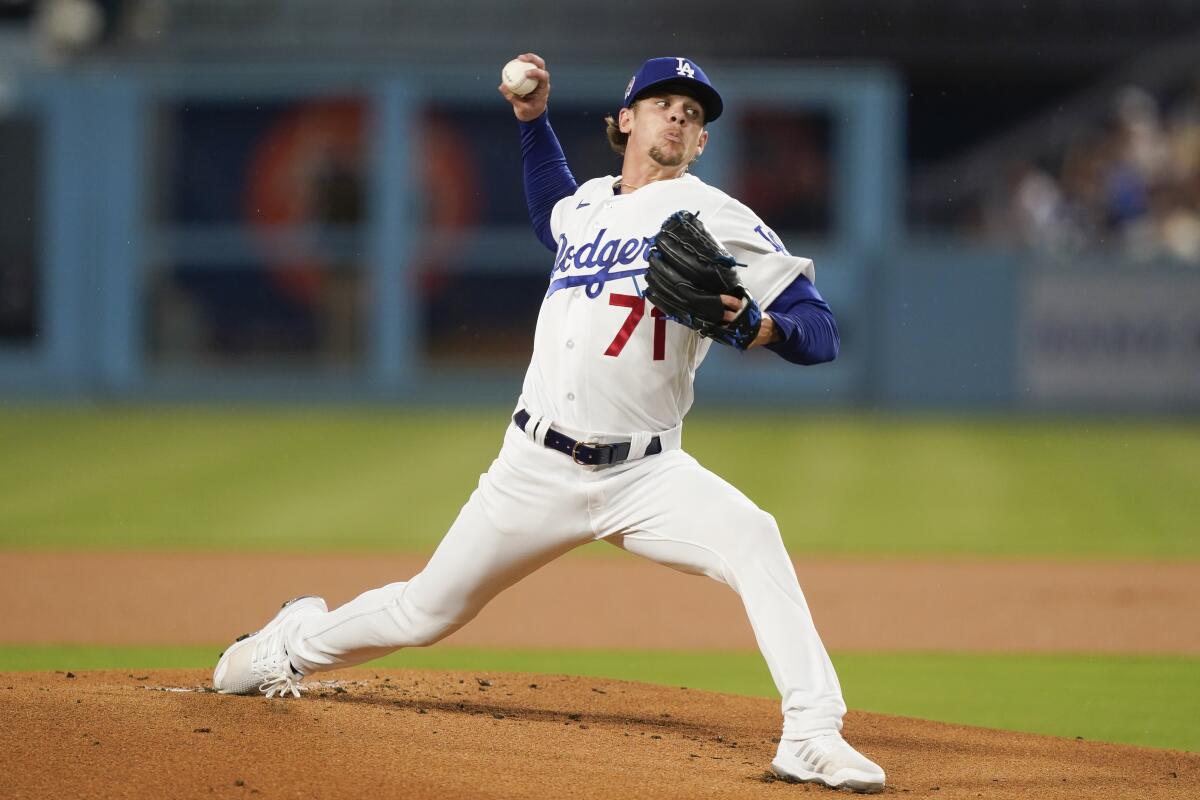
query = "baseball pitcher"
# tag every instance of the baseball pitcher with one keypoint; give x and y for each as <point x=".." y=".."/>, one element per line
<point x="650" y="267"/>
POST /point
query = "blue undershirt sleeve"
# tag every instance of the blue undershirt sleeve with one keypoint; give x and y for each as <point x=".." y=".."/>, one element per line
<point x="548" y="179"/>
<point x="810" y="334"/>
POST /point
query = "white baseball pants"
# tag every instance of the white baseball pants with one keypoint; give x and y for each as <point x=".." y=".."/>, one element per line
<point x="534" y="504"/>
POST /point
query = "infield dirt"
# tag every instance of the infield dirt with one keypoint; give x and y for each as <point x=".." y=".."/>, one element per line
<point x="621" y="602"/>
<point x="411" y="734"/>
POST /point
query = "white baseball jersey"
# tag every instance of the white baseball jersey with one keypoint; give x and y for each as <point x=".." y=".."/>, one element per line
<point x="604" y="360"/>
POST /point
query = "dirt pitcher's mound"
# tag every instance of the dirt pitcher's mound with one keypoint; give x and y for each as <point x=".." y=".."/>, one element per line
<point x="394" y="733"/>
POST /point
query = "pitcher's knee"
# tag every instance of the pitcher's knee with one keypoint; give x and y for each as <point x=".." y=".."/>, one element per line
<point x="433" y="632"/>
<point x="757" y="535"/>
<point x="422" y="628"/>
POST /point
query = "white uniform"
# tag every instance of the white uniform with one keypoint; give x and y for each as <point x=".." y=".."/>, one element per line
<point x="607" y="368"/>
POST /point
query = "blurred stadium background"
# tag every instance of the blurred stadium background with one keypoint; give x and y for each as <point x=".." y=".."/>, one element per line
<point x="265" y="199"/>
<point x="282" y="203"/>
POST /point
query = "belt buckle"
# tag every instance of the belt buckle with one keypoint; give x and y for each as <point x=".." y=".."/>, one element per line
<point x="575" y="452"/>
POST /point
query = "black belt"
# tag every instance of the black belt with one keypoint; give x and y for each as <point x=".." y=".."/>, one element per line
<point x="590" y="454"/>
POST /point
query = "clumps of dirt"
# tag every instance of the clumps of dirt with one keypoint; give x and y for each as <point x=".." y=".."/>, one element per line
<point x="579" y="737"/>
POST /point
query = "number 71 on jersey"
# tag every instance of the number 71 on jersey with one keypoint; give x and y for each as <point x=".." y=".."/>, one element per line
<point x="637" y="310"/>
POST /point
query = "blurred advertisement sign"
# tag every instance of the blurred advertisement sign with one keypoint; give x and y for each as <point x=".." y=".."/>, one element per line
<point x="260" y="207"/>
<point x="1112" y="340"/>
<point x="785" y="168"/>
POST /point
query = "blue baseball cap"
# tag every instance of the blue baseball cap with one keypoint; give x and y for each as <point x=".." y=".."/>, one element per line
<point x="675" y="69"/>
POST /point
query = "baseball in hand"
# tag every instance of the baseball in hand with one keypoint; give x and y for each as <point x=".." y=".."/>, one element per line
<point x="515" y="79"/>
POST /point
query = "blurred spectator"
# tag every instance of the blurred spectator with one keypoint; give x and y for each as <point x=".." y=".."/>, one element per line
<point x="1038" y="211"/>
<point x="1140" y="128"/>
<point x="1131" y="184"/>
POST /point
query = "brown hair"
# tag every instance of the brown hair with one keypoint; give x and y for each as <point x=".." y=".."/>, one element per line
<point x="616" y="139"/>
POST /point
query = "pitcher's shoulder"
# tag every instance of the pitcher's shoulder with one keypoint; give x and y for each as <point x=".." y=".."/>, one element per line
<point x="601" y="185"/>
<point x="700" y="196"/>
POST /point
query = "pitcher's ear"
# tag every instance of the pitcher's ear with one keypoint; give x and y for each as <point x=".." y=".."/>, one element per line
<point x="625" y="120"/>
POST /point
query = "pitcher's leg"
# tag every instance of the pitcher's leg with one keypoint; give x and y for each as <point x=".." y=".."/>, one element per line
<point x="696" y="522"/>
<point x="473" y="563"/>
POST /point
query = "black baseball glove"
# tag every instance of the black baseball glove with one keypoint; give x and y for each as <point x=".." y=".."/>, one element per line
<point x="689" y="271"/>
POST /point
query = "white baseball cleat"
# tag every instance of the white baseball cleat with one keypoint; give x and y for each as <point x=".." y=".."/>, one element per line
<point x="258" y="662"/>
<point x="829" y="760"/>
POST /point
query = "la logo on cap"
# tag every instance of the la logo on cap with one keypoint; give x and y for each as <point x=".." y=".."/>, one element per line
<point x="668" y="70"/>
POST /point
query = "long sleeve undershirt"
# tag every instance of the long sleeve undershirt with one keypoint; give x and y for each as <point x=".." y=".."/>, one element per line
<point x="548" y="179"/>
<point x="810" y="334"/>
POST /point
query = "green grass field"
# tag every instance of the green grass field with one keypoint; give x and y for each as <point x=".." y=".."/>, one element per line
<point x="337" y="479"/>
<point x="1146" y="701"/>
<point x="380" y="480"/>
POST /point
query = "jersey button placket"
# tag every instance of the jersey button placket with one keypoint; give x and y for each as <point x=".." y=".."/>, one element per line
<point x="579" y="337"/>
